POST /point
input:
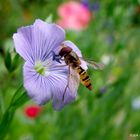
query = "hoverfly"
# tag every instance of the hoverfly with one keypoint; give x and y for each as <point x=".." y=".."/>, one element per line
<point x="74" y="61"/>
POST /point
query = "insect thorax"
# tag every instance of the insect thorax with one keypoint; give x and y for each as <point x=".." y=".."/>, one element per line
<point x="72" y="59"/>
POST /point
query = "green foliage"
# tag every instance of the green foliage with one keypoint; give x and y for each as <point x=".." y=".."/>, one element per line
<point x="11" y="64"/>
<point x="19" y="98"/>
<point x="8" y="61"/>
<point x="113" y="36"/>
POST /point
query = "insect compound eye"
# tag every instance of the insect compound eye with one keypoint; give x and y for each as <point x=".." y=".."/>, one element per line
<point x="65" y="51"/>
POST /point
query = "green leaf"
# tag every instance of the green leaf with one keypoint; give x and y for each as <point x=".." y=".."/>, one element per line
<point x="19" y="98"/>
<point x="17" y="94"/>
<point x="6" y="121"/>
<point x="15" y="62"/>
<point x="49" y="19"/>
<point x="8" y="61"/>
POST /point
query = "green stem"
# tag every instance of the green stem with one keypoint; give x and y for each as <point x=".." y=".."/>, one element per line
<point x="19" y="98"/>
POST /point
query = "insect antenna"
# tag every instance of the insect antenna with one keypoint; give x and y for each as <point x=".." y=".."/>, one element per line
<point x="56" y="57"/>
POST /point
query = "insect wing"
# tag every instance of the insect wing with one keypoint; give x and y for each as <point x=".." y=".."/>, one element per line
<point x="93" y="64"/>
<point x="74" y="81"/>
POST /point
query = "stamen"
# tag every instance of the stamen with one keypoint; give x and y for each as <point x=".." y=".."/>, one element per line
<point x="39" y="68"/>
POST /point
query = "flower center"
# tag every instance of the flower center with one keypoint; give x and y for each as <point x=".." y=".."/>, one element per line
<point x="43" y="68"/>
<point x="39" y="68"/>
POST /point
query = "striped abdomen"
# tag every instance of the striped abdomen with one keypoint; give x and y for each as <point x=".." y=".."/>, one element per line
<point x="84" y="77"/>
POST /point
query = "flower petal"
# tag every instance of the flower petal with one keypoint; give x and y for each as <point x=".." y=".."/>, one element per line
<point x="37" y="86"/>
<point x="77" y="51"/>
<point x="47" y="37"/>
<point x="41" y="89"/>
<point x="59" y="85"/>
<point x="36" y="42"/>
<point x="22" y="40"/>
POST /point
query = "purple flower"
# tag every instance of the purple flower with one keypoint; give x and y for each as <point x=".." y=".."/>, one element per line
<point x="95" y="6"/>
<point x="91" y="6"/>
<point x="110" y="39"/>
<point x="85" y="3"/>
<point x="103" y="90"/>
<point x="45" y="79"/>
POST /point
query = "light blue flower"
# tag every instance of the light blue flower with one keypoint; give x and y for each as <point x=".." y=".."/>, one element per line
<point x="45" y="79"/>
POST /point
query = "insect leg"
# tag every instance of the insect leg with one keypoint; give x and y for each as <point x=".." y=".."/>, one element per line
<point x="61" y="65"/>
<point x="67" y="83"/>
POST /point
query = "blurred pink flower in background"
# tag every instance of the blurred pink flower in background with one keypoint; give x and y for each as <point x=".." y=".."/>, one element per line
<point x="32" y="111"/>
<point x="73" y="15"/>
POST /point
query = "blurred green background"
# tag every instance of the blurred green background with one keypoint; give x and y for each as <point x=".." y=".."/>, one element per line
<point x="112" y="110"/>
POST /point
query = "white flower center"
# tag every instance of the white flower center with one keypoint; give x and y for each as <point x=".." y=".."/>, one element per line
<point x="42" y="68"/>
